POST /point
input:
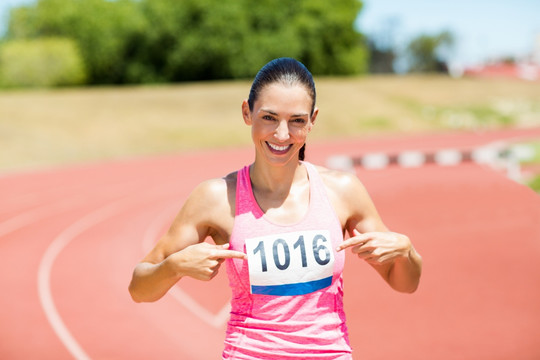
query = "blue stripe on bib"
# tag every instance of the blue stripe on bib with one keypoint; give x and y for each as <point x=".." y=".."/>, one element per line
<point x="292" y="289"/>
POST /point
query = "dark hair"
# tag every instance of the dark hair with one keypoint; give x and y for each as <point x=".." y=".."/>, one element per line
<point x="287" y="71"/>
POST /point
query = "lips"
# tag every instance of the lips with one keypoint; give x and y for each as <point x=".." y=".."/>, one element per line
<point x="277" y="149"/>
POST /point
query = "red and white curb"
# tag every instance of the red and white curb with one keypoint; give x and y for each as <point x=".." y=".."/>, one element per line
<point x="498" y="155"/>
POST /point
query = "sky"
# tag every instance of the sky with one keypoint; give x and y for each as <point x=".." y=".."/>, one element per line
<point x="483" y="29"/>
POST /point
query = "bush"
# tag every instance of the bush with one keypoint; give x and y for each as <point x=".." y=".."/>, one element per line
<point x="138" y="41"/>
<point x="41" y="62"/>
<point x="534" y="183"/>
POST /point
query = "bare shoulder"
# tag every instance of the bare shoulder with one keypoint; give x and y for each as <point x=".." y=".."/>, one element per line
<point x="341" y="183"/>
<point x="207" y="211"/>
<point x="349" y="197"/>
<point x="213" y="195"/>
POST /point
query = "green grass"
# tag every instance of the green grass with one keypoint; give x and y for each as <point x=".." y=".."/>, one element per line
<point x="51" y="127"/>
<point x="535" y="146"/>
<point x="534" y="183"/>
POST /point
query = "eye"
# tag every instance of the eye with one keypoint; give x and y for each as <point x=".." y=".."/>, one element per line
<point x="268" y="117"/>
<point x="299" y="121"/>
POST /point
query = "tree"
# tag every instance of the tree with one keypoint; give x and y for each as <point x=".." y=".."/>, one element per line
<point x="382" y="47"/>
<point x="101" y="28"/>
<point x="427" y="53"/>
<point x="330" y="43"/>
<point x="40" y="63"/>
<point x="208" y="39"/>
<point x="139" y="41"/>
<point x="381" y="60"/>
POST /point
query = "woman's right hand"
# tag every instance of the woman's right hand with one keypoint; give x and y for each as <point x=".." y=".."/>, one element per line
<point x="202" y="261"/>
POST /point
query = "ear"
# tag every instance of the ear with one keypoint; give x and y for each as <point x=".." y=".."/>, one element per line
<point x="246" y="113"/>
<point x="313" y="118"/>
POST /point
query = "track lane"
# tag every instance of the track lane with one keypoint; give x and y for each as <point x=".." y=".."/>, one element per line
<point x="110" y="244"/>
<point x="39" y="230"/>
<point x="22" y="247"/>
<point x="479" y="235"/>
<point x="492" y="311"/>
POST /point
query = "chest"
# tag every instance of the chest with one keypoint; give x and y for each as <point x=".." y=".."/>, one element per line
<point x="285" y="209"/>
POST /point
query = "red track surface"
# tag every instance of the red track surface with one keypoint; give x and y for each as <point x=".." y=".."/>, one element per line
<point x="69" y="239"/>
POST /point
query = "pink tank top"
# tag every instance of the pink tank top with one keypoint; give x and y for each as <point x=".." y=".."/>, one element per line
<point x="287" y="299"/>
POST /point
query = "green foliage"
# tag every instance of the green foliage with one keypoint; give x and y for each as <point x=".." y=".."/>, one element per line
<point x="210" y="39"/>
<point x="426" y="52"/>
<point x="330" y="44"/>
<point x="101" y="28"/>
<point x="140" y="41"/>
<point x="534" y="183"/>
<point x="41" y="63"/>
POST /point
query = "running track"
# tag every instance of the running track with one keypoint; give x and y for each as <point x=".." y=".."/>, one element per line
<point x="70" y="237"/>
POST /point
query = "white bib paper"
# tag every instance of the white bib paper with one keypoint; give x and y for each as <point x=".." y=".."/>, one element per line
<point x="294" y="263"/>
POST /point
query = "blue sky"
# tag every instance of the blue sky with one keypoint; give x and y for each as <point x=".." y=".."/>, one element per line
<point x="483" y="29"/>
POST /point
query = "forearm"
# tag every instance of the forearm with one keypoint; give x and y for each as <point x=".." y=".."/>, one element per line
<point x="404" y="275"/>
<point x="151" y="281"/>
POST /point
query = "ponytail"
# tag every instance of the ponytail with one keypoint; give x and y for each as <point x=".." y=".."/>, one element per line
<point x="302" y="153"/>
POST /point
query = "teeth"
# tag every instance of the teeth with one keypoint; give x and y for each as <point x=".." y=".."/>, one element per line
<point x="278" y="148"/>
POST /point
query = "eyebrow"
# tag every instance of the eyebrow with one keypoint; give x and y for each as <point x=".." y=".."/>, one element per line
<point x="275" y="113"/>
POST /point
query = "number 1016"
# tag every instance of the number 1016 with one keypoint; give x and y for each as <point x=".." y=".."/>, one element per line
<point x="321" y="252"/>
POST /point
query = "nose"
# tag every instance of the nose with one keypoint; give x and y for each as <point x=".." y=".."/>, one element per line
<point x="282" y="131"/>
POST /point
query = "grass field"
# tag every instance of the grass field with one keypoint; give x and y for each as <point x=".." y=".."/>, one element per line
<point x="41" y="128"/>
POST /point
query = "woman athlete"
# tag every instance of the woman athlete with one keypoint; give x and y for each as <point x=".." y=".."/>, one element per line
<point x="279" y="225"/>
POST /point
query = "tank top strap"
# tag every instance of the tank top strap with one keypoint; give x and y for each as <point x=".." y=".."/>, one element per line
<point x="246" y="203"/>
<point x="318" y="195"/>
<point x="245" y="200"/>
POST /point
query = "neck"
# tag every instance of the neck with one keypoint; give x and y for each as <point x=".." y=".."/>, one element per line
<point x="275" y="179"/>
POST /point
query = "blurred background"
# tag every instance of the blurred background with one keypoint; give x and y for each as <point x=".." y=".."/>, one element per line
<point x="104" y="105"/>
<point x="97" y="79"/>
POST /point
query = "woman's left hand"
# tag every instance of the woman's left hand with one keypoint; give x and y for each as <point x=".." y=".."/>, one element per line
<point x="378" y="248"/>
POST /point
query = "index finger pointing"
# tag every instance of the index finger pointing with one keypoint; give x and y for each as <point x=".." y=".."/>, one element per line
<point x="351" y="242"/>
<point x="229" y="254"/>
<point x="358" y="239"/>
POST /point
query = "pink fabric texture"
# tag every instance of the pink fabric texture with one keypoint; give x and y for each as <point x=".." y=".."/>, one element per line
<point x="300" y="320"/>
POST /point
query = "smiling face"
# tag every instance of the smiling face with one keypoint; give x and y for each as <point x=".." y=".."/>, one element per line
<point x="280" y="122"/>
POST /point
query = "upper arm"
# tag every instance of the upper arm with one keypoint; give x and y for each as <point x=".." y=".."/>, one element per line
<point x="357" y="211"/>
<point x="363" y="215"/>
<point x="196" y="220"/>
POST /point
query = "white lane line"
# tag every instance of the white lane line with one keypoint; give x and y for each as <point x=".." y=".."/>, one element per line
<point x="156" y="225"/>
<point x="56" y="247"/>
<point x="39" y="196"/>
<point x="28" y="217"/>
<point x="45" y="267"/>
<point x="215" y="320"/>
<point x="41" y="212"/>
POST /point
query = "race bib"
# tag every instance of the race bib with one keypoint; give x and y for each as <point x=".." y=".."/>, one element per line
<point x="294" y="263"/>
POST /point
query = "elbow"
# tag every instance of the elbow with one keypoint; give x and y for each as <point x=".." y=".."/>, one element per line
<point x="136" y="299"/>
<point x="407" y="288"/>
<point x="139" y="296"/>
<point x="410" y="284"/>
<point x="134" y="295"/>
<point x="405" y="282"/>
